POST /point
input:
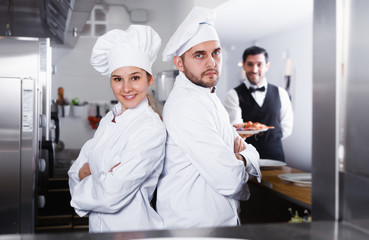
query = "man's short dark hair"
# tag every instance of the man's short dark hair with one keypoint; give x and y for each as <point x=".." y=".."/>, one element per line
<point x="254" y="50"/>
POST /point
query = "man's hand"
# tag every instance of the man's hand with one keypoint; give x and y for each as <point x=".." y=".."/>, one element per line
<point x="239" y="145"/>
<point x="241" y="158"/>
<point x="116" y="165"/>
<point x="84" y="171"/>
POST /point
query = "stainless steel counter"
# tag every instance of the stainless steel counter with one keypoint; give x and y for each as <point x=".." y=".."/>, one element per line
<point x="296" y="231"/>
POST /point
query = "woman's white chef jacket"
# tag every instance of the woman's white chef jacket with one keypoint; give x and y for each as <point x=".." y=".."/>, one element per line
<point x="202" y="180"/>
<point x="120" y="200"/>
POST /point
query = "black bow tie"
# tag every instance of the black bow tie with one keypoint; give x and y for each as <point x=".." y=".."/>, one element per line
<point x="251" y="89"/>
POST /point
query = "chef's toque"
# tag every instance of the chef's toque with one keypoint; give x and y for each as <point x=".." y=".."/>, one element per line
<point x="198" y="27"/>
<point x="138" y="46"/>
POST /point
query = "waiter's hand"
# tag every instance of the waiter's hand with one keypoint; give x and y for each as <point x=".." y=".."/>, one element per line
<point x="245" y="135"/>
<point x="84" y="171"/>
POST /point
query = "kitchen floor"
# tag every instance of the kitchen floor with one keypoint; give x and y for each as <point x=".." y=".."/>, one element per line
<point x="58" y="215"/>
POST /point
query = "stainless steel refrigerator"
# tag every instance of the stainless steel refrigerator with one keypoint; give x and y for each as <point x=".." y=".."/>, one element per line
<point x="25" y="125"/>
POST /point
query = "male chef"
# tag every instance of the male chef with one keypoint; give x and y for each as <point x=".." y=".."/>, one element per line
<point x="207" y="164"/>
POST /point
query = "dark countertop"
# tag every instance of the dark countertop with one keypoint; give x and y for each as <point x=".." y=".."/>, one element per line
<point x="278" y="231"/>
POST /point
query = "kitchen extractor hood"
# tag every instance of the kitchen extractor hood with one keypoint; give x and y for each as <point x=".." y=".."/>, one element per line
<point x="60" y="20"/>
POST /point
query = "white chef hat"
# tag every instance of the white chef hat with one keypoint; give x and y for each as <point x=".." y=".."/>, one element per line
<point x="198" y="27"/>
<point x="138" y="46"/>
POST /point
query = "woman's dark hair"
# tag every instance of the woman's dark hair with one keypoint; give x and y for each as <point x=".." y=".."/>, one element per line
<point x="254" y="50"/>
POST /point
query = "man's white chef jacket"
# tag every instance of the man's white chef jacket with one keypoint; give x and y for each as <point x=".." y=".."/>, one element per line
<point x="202" y="181"/>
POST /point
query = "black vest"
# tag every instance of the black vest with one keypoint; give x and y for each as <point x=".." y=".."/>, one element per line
<point x="268" y="144"/>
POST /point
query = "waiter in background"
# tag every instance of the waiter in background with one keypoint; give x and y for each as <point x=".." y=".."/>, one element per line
<point x="257" y="100"/>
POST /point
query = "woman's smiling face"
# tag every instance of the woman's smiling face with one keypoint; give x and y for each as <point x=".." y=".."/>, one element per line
<point x="130" y="85"/>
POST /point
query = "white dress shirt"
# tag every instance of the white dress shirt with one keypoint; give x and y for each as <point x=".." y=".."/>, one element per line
<point x="202" y="181"/>
<point x="120" y="200"/>
<point x="232" y="105"/>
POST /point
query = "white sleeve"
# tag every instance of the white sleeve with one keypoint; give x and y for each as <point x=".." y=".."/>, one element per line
<point x="83" y="158"/>
<point x="74" y="170"/>
<point x="111" y="191"/>
<point x="194" y="129"/>
<point x="232" y="105"/>
<point x="286" y="113"/>
<point x="252" y="158"/>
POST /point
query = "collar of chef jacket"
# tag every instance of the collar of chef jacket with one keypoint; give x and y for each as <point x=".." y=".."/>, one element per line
<point x="131" y="112"/>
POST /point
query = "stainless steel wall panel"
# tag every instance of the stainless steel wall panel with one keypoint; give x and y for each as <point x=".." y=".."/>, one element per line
<point x="356" y="199"/>
<point x="324" y="191"/>
<point x="357" y="134"/>
<point x="341" y="111"/>
<point x="356" y="175"/>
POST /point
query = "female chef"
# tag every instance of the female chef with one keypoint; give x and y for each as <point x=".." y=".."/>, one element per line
<point x="115" y="175"/>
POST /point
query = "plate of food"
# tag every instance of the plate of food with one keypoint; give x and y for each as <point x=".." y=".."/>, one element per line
<point x="271" y="163"/>
<point x="251" y="127"/>
<point x="298" y="178"/>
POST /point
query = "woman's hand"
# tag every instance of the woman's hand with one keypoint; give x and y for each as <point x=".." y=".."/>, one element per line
<point x="84" y="171"/>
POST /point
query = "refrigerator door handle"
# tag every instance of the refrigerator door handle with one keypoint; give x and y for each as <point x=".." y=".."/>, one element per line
<point x="55" y="117"/>
<point x="49" y="146"/>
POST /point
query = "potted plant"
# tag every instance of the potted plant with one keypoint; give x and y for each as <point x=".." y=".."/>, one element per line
<point x="77" y="107"/>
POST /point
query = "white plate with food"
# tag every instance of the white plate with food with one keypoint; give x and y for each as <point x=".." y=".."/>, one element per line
<point x="252" y="131"/>
<point x="271" y="163"/>
<point x="251" y="127"/>
<point x="298" y="178"/>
